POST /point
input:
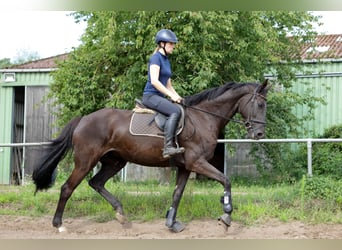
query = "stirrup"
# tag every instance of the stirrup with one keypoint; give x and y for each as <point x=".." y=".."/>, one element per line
<point x="170" y="151"/>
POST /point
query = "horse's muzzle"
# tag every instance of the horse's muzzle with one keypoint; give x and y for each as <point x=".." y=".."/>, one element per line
<point x="255" y="134"/>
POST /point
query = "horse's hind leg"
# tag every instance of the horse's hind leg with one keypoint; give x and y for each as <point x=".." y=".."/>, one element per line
<point x="109" y="168"/>
<point x="67" y="189"/>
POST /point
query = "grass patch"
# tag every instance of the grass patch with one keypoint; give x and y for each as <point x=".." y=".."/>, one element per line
<point x="149" y="201"/>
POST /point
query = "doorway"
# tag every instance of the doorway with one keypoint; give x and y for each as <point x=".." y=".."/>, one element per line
<point x="18" y="134"/>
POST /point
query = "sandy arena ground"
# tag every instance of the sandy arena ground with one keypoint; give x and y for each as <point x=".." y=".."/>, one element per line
<point x="13" y="227"/>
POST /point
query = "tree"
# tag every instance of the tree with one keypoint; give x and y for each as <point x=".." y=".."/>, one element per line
<point x="5" y="62"/>
<point x="25" y="55"/>
<point x="22" y="56"/>
<point x="110" y="67"/>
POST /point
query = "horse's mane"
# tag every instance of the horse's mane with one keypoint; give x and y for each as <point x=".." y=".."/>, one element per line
<point x="211" y="94"/>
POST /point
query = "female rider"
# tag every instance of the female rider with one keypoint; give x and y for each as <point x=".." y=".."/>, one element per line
<point x="159" y="86"/>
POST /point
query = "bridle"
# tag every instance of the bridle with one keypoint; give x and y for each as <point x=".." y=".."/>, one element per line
<point x="250" y="122"/>
<point x="247" y="123"/>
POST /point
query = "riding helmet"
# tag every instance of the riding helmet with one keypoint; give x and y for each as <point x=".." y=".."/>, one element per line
<point x="165" y="35"/>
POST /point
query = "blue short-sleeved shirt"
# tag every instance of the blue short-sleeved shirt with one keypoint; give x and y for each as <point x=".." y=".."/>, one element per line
<point x="165" y="73"/>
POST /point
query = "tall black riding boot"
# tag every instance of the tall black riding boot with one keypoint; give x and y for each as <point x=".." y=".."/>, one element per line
<point x="170" y="133"/>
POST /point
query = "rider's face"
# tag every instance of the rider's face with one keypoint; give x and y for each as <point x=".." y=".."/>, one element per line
<point x="169" y="47"/>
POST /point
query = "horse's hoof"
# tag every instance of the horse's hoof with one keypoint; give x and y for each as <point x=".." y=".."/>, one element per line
<point x="62" y="229"/>
<point x="225" y="220"/>
<point x="127" y="225"/>
<point x="121" y="218"/>
<point x="177" y="227"/>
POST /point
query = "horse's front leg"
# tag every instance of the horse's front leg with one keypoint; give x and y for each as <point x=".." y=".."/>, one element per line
<point x="203" y="167"/>
<point x="181" y="180"/>
<point x="226" y="200"/>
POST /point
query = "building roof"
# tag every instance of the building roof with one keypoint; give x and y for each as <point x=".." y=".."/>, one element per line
<point x="45" y="63"/>
<point x="324" y="47"/>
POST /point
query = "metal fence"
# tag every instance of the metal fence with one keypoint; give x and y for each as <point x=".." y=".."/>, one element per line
<point x="308" y="142"/>
<point x="23" y="155"/>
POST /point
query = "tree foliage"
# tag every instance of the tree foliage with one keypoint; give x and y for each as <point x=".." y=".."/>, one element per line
<point x="22" y="56"/>
<point x="326" y="159"/>
<point x="25" y="55"/>
<point x="110" y="67"/>
<point x="5" y="62"/>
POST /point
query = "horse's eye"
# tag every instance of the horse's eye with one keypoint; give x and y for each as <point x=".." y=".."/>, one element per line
<point x="261" y="104"/>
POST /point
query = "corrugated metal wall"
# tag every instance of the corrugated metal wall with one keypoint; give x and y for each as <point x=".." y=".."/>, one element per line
<point x="18" y="133"/>
<point x="6" y="106"/>
<point x="39" y="123"/>
<point x="33" y="79"/>
<point x="326" y="82"/>
<point x="27" y="92"/>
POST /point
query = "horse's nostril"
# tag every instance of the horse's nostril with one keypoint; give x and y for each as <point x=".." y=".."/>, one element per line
<point x="260" y="135"/>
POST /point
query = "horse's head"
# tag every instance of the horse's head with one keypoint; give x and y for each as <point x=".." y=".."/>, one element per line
<point x="252" y="107"/>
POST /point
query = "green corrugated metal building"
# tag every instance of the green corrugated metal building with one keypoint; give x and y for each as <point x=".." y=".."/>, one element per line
<point x="324" y="62"/>
<point x="6" y="106"/>
<point x="24" y="117"/>
<point x="325" y="80"/>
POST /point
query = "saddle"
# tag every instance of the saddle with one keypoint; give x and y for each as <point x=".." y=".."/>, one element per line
<point x="148" y="122"/>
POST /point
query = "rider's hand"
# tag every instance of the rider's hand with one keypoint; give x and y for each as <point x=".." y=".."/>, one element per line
<point x="180" y="100"/>
<point x="176" y="98"/>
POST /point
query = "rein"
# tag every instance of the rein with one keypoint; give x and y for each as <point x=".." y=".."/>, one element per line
<point x="213" y="114"/>
<point x="248" y="124"/>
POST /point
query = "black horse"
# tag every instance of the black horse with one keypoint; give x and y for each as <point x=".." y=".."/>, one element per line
<point x="103" y="136"/>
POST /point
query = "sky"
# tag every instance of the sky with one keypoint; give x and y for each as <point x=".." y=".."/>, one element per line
<point x="331" y="22"/>
<point x="48" y="33"/>
<point x="51" y="33"/>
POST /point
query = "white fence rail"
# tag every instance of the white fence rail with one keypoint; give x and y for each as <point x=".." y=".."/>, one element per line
<point x="23" y="145"/>
<point x="308" y="142"/>
<point x="27" y="144"/>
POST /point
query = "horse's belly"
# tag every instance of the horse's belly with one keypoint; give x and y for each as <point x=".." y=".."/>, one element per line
<point x="146" y="152"/>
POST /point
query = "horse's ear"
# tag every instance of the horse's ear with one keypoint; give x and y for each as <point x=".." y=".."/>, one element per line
<point x="264" y="86"/>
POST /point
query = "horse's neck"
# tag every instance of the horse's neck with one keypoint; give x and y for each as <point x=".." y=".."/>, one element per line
<point x="219" y="111"/>
<point x="224" y="106"/>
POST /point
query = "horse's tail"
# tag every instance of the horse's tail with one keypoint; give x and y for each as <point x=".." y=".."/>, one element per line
<point x="44" y="173"/>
